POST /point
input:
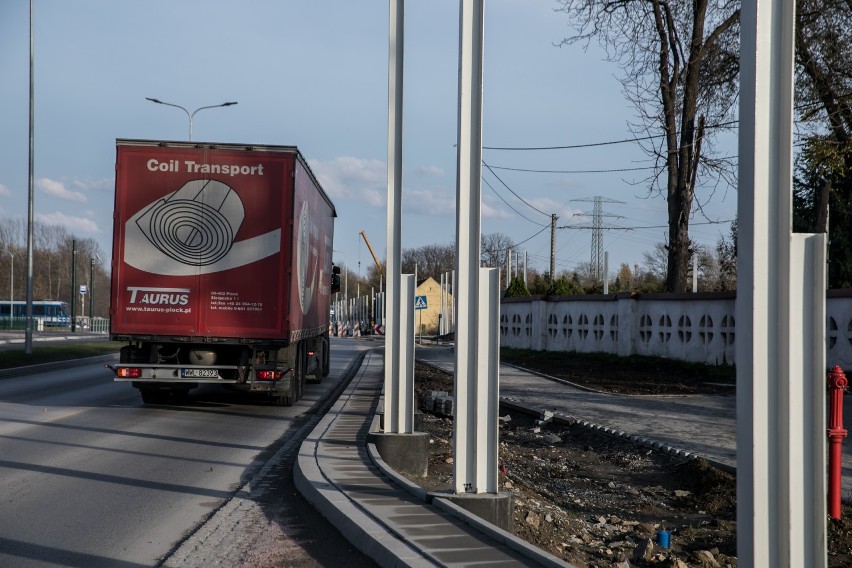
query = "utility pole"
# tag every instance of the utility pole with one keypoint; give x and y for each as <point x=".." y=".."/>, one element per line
<point x="553" y="219"/>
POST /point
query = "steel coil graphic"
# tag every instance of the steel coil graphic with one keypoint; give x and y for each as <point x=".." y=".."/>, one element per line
<point x="195" y="225"/>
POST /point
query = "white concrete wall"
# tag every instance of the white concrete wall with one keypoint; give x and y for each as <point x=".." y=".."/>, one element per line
<point x="690" y="327"/>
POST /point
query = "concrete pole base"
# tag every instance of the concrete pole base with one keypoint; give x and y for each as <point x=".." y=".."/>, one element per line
<point x="418" y="421"/>
<point x="496" y="509"/>
<point x="405" y="453"/>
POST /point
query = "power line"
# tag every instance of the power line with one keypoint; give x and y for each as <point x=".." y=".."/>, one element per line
<point x="513" y="193"/>
<point x="605" y="171"/>
<point x="531" y="238"/>
<point x="585" y="226"/>
<point x="572" y="171"/>
<point x="595" y="144"/>
<point x="510" y="207"/>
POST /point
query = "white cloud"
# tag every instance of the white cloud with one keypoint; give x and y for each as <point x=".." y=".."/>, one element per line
<point x="73" y="223"/>
<point x="490" y="212"/>
<point x="58" y="189"/>
<point x="103" y="184"/>
<point x="424" y="202"/>
<point x="354" y="179"/>
<point x="432" y="171"/>
<point x="5" y="191"/>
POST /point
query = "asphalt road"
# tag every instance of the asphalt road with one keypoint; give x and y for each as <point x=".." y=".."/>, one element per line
<point x="89" y="476"/>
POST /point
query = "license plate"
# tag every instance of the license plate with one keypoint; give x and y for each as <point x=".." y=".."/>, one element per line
<point x="199" y="374"/>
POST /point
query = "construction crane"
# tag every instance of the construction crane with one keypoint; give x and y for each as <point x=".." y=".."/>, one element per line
<point x="375" y="258"/>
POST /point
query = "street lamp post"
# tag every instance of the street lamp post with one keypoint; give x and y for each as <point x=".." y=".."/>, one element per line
<point x="188" y="114"/>
<point x="11" y="286"/>
<point x="91" y="292"/>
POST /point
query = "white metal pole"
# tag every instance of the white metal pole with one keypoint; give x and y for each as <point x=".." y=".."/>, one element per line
<point x="396" y="337"/>
<point x="468" y="207"/>
<point x="780" y="315"/>
<point x="28" y="334"/>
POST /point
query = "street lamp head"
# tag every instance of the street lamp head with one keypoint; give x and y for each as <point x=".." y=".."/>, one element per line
<point x="190" y="115"/>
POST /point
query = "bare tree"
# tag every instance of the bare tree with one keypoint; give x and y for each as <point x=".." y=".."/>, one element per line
<point x="430" y="260"/>
<point x="680" y="64"/>
<point x="495" y="250"/>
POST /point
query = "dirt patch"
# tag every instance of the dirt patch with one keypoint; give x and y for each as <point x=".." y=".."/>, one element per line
<point x="596" y="500"/>
<point x="627" y="375"/>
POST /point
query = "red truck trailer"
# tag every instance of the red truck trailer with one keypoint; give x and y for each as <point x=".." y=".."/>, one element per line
<point x="221" y="269"/>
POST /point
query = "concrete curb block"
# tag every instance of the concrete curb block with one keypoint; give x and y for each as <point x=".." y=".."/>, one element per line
<point x="499" y="535"/>
<point x="491" y="531"/>
<point x="375" y="539"/>
<point x="361" y="529"/>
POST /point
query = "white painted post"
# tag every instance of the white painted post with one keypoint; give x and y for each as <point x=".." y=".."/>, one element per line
<point x="694" y="273"/>
<point x="453" y="310"/>
<point x="468" y="230"/>
<point x="441" y="309"/>
<point x="780" y="316"/>
<point x="393" y="333"/>
<point x="405" y="404"/>
<point x="487" y="382"/>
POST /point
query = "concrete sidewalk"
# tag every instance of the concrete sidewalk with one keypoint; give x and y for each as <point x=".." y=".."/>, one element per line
<point x="379" y="512"/>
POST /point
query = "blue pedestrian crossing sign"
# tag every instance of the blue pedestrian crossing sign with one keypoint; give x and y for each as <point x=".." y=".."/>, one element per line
<point x="420" y="303"/>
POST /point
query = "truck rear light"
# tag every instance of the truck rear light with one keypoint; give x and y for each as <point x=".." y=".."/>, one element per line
<point x="128" y="372"/>
<point x="269" y="375"/>
<point x="310" y="353"/>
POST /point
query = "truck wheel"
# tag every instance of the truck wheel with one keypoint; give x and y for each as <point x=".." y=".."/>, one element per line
<point x="282" y="400"/>
<point x="288" y="398"/>
<point x="326" y="356"/>
<point x="299" y="377"/>
<point x="154" y="396"/>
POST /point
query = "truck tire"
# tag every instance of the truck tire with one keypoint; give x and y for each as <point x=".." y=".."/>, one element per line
<point x="283" y="400"/>
<point x="287" y="398"/>
<point x="300" y="376"/>
<point x="320" y="344"/>
<point x="326" y="357"/>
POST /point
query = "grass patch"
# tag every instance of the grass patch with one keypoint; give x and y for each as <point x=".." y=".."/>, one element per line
<point x="49" y="352"/>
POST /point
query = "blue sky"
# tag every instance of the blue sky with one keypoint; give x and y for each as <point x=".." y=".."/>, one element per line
<point x="314" y="74"/>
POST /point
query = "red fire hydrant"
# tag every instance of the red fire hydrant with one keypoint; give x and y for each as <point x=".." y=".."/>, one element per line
<point x="836" y="385"/>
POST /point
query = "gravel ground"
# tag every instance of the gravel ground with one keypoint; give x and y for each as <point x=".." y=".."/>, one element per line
<point x="597" y="500"/>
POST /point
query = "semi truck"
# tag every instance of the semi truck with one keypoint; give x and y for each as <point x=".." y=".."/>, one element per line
<point x="221" y="269"/>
